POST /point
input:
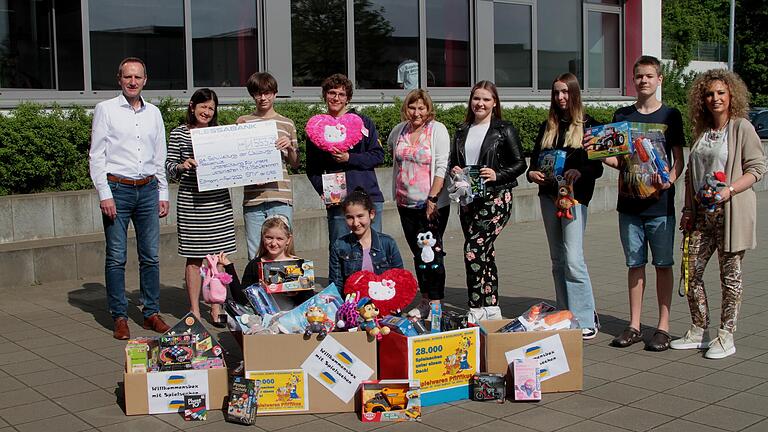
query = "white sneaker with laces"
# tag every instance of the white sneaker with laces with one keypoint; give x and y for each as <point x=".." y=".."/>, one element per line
<point x="722" y="346"/>
<point x="694" y="338"/>
<point x="588" y="333"/>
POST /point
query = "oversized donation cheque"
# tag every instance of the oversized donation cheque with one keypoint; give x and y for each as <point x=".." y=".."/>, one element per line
<point x="236" y="155"/>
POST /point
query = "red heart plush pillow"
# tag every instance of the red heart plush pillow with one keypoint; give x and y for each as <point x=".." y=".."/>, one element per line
<point x="390" y="291"/>
<point x="335" y="134"/>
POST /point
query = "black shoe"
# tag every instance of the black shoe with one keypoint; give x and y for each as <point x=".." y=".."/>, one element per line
<point x="659" y="342"/>
<point x="629" y="336"/>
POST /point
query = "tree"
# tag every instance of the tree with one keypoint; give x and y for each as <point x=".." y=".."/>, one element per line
<point x="687" y="22"/>
<point x="752" y="62"/>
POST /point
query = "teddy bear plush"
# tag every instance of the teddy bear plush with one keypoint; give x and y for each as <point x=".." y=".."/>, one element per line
<point x="565" y="201"/>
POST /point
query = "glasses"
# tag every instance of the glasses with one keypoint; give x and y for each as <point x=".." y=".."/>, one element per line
<point x="336" y="94"/>
<point x="266" y="95"/>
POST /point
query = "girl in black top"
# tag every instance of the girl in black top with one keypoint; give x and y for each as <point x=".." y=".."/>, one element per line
<point x="562" y="135"/>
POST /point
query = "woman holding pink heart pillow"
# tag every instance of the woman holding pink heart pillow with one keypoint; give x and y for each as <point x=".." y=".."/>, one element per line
<point x="331" y="152"/>
<point x="420" y="148"/>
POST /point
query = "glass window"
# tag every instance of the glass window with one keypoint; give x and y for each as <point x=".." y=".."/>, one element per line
<point x="69" y="45"/>
<point x="26" y="49"/>
<point x="387" y="44"/>
<point x="448" y="61"/>
<point x="512" y="45"/>
<point x="149" y="29"/>
<point x="603" y="49"/>
<point x="559" y="39"/>
<point x="318" y="39"/>
<point x="224" y="42"/>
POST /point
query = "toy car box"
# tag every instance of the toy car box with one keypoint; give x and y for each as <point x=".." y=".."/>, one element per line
<point x="287" y="275"/>
<point x="489" y="387"/>
<point x="607" y="140"/>
<point x="390" y="401"/>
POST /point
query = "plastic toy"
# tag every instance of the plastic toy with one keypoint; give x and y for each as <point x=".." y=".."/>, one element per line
<point x="489" y="387"/>
<point x="369" y="314"/>
<point x="460" y="189"/>
<point x="318" y="322"/>
<point x="347" y="317"/>
<point x="565" y="201"/>
<point x="391" y="400"/>
<point x="709" y="195"/>
<point x="333" y="134"/>
<point x="391" y="291"/>
<point x="387" y="399"/>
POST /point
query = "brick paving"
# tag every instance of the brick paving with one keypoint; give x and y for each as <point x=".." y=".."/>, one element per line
<point x="61" y="370"/>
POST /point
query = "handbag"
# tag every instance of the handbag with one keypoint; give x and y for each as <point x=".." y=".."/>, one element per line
<point x="214" y="282"/>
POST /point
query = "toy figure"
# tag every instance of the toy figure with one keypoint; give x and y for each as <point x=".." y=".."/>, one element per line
<point x="708" y="196"/>
<point x="427" y="242"/>
<point x="565" y="201"/>
<point x="347" y="317"/>
<point x="460" y="189"/>
<point x="369" y="315"/>
<point x="318" y="322"/>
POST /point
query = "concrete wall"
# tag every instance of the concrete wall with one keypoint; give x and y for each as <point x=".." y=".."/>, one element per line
<point x="58" y="236"/>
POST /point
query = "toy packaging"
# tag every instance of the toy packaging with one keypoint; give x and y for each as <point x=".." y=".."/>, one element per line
<point x="287" y="275"/>
<point x="647" y="158"/>
<point x="437" y="317"/>
<point x="476" y="183"/>
<point x="295" y="320"/>
<point x="194" y="408"/>
<point x="262" y="302"/>
<point x="188" y="345"/>
<point x="552" y="163"/>
<point x="527" y="380"/>
<point x="391" y="401"/>
<point x="243" y="401"/>
<point x="489" y="387"/>
<point x="451" y="320"/>
<point x="141" y="355"/>
<point x="540" y="317"/>
<point x="334" y="188"/>
<point x="607" y="140"/>
<point x="400" y="325"/>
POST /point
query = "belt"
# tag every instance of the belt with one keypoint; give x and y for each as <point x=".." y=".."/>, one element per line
<point x="130" y="182"/>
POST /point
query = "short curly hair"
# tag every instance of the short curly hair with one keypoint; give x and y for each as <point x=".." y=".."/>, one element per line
<point x="697" y="106"/>
<point x="335" y="81"/>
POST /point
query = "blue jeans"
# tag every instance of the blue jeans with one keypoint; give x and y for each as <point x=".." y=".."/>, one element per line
<point x="140" y="205"/>
<point x="573" y="287"/>
<point x="639" y="232"/>
<point x="255" y="216"/>
<point x="337" y="222"/>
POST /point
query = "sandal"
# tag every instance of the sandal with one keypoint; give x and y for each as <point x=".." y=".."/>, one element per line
<point x="218" y="324"/>
<point x="628" y="337"/>
<point x="659" y="342"/>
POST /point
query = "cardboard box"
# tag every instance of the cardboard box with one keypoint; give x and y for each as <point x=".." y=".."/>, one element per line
<point x="163" y="392"/>
<point x="497" y="344"/>
<point x="444" y="363"/>
<point x="268" y="352"/>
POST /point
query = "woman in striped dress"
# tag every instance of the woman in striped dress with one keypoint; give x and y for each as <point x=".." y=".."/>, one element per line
<point x="204" y="220"/>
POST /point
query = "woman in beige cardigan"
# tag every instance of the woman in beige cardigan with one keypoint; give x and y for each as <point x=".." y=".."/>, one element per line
<point x="726" y="159"/>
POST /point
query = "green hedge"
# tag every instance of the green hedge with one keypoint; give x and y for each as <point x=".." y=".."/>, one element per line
<point x="45" y="150"/>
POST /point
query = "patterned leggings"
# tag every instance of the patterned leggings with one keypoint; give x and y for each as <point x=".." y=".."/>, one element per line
<point x="482" y="221"/>
<point x="705" y="239"/>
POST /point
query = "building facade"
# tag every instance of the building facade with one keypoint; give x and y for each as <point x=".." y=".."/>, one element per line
<point x="67" y="51"/>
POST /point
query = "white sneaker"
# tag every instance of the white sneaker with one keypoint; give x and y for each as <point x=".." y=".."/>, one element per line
<point x="695" y="338"/>
<point x="588" y="333"/>
<point x="722" y="346"/>
<point x="475" y="315"/>
<point x="493" y="313"/>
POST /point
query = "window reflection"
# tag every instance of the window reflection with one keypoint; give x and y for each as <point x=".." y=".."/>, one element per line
<point x="387" y="44"/>
<point x="603" y="44"/>
<point x="26" y="45"/>
<point x="224" y="42"/>
<point x="149" y="29"/>
<point x="448" y="61"/>
<point x="559" y="39"/>
<point x="69" y="45"/>
<point x="512" y="45"/>
<point x="318" y="39"/>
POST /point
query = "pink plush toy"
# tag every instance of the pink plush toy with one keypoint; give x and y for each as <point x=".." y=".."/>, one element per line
<point x="335" y="134"/>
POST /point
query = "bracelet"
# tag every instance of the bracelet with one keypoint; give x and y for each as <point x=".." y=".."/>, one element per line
<point x="732" y="189"/>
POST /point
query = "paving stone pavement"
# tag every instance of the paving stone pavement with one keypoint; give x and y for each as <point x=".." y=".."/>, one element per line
<point x="61" y="370"/>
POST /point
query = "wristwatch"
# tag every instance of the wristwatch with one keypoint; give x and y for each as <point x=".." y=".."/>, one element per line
<point x="733" y="191"/>
<point x="432" y="199"/>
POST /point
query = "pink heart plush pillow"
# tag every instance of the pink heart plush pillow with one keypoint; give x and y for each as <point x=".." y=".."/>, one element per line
<point x="335" y="134"/>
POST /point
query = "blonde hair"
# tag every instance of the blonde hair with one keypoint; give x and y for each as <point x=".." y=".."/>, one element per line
<point x="414" y="96"/>
<point x="575" y="133"/>
<point x="697" y="105"/>
<point x="276" y="222"/>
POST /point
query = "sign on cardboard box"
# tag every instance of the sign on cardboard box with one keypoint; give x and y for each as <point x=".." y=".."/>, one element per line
<point x="166" y="390"/>
<point x="337" y="368"/>
<point x="548" y="351"/>
<point x="282" y="390"/>
<point x="498" y="344"/>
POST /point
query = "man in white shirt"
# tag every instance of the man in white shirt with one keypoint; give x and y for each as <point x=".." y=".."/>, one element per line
<point x="126" y="163"/>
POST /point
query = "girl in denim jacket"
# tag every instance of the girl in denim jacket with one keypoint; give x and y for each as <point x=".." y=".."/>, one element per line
<point x="363" y="248"/>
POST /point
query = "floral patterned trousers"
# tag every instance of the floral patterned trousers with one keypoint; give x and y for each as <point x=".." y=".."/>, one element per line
<point x="482" y="221"/>
<point x="708" y="236"/>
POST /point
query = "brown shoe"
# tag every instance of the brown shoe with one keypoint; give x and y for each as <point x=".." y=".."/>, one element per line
<point x="121" y="329"/>
<point x="155" y="323"/>
<point x="628" y="337"/>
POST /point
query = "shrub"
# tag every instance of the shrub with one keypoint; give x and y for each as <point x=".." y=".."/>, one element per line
<point x="47" y="150"/>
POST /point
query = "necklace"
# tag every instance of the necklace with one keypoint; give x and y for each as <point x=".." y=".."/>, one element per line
<point x="717" y="134"/>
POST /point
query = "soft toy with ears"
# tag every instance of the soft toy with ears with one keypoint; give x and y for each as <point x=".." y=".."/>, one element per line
<point x="333" y="134"/>
<point x="565" y="201"/>
<point x="392" y="290"/>
<point x="369" y="314"/>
